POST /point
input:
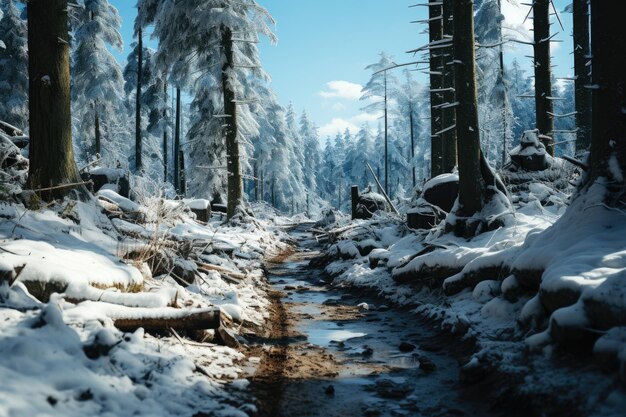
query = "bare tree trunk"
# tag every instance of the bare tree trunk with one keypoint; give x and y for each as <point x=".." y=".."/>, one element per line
<point x="470" y="178"/>
<point x="448" y="115"/>
<point x="183" y="176"/>
<point x="233" y="167"/>
<point x="97" y="129"/>
<point x="177" y="144"/>
<point x="138" y="142"/>
<point x="164" y="134"/>
<point x="608" y="146"/>
<point x="386" y="141"/>
<point x="435" y="30"/>
<point x="51" y="154"/>
<point x="411" y="117"/>
<point x="505" y="95"/>
<point x="581" y="70"/>
<point x="543" y="72"/>
<point x="256" y="180"/>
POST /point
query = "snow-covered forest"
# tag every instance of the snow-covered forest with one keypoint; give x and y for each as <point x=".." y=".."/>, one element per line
<point x="176" y="239"/>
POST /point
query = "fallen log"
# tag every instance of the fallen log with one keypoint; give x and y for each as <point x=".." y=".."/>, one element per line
<point x="181" y="320"/>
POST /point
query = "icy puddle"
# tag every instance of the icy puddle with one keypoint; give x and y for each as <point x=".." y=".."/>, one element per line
<point x="335" y="359"/>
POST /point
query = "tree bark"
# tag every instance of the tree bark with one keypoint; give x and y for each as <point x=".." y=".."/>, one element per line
<point x="448" y="138"/>
<point x="582" y="71"/>
<point x="505" y="95"/>
<point x="543" y="72"/>
<point x="233" y="164"/>
<point x="51" y="154"/>
<point x="411" y="122"/>
<point x="386" y="140"/>
<point x="97" y="129"/>
<point x="470" y="178"/>
<point x="183" y="176"/>
<point x="608" y="146"/>
<point x="164" y="134"/>
<point x="177" y="144"/>
<point x="435" y="30"/>
<point x="138" y="143"/>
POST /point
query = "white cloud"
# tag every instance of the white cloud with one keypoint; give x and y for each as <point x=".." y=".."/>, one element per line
<point x="338" y="106"/>
<point x="337" y="125"/>
<point x="342" y="89"/>
<point x="354" y="123"/>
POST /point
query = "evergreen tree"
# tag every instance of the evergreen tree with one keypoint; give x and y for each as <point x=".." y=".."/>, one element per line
<point x="326" y="183"/>
<point x="197" y="46"/>
<point x="97" y="82"/>
<point x="309" y="135"/>
<point x="378" y="87"/>
<point x="360" y="156"/>
<point x="13" y="66"/>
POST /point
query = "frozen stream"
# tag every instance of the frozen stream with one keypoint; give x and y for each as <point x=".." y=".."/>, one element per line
<point x="337" y="359"/>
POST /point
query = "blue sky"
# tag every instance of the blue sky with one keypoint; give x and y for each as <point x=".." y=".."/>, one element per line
<point x="324" y="45"/>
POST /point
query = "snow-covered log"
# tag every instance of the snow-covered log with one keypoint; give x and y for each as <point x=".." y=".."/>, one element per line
<point x="164" y="319"/>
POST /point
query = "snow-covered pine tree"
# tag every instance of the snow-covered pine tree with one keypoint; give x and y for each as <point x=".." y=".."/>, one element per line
<point x="377" y="89"/>
<point x="494" y="113"/>
<point x="211" y="46"/>
<point x="520" y="93"/>
<point x="407" y="118"/>
<point x="361" y="155"/>
<point x="325" y="178"/>
<point x="338" y="176"/>
<point x="97" y="82"/>
<point x="13" y="65"/>
<point x="310" y="138"/>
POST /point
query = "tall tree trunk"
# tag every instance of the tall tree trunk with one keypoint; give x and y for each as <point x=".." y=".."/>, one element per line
<point x="581" y="71"/>
<point x="386" y="141"/>
<point x="448" y="114"/>
<point x="183" y="175"/>
<point x="138" y="143"/>
<point x="470" y="178"/>
<point x="51" y="154"/>
<point x="505" y="95"/>
<point x="411" y="117"/>
<point x="608" y="146"/>
<point x="164" y="133"/>
<point x="543" y="72"/>
<point x="435" y="31"/>
<point x="256" y="181"/>
<point x="233" y="167"/>
<point x="97" y="129"/>
<point x="177" y="144"/>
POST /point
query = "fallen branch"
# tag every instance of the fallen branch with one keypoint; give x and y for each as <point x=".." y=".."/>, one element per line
<point x="58" y="187"/>
<point x="218" y="268"/>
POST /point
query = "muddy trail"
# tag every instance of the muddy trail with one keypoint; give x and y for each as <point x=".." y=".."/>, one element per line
<point x="332" y="352"/>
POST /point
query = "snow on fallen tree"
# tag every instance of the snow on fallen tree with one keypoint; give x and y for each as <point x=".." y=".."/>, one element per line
<point x="151" y="319"/>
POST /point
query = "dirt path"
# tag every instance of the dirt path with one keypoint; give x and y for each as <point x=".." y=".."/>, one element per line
<point x="326" y="356"/>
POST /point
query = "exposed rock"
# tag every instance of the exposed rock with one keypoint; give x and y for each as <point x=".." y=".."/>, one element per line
<point x="531" y="154"/>
<point x="370" y="203"/>
<point x="367" y="246"/>
<point x="442" y="191"/>
<point x="406" y="347"/>
<point x="387" y="388"/>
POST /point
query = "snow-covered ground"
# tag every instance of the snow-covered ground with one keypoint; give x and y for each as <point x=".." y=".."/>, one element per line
<point x="538" y="296"/>
<point x="91" y="263"/>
